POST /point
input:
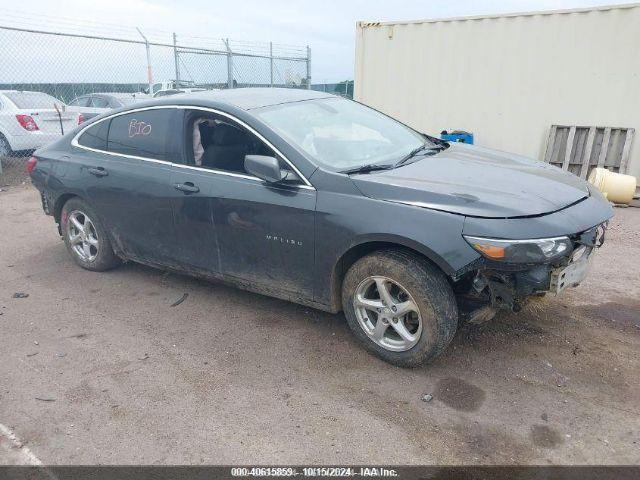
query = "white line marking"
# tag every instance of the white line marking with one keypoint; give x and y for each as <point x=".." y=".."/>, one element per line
<point x="29" y="457"/>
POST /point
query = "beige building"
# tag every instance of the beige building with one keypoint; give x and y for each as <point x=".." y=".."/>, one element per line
<point x="507" y="78"/>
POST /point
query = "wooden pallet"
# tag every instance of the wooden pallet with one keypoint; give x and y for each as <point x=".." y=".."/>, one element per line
<point x="580" y="149"/>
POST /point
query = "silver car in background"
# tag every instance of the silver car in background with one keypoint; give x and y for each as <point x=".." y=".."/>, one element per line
<point x="94" y="104"/>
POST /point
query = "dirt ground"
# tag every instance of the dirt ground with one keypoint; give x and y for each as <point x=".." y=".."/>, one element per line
<point x="100" y="368"/>
<point x="14" y="172"/>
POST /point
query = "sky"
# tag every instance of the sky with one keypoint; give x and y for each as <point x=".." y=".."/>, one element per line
<point x="326" y="26"/>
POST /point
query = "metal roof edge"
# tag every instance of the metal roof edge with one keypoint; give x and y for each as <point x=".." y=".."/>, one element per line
<point x="621" y="6"/>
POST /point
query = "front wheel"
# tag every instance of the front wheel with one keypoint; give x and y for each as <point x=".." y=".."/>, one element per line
<point x="400" y="307"/>
<point x="85" y="237"/>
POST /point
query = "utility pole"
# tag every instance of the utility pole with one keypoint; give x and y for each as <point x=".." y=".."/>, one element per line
<point x="176" y="60"/>
<point x="229" y="64"/>
<point x="149" y="70"/>
<point x="271" y="61"/>
<point x="308" y="68"/>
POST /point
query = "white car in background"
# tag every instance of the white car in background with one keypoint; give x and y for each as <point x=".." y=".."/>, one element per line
<point x="29" y="120"/>
<point x="172" y="87"/>
<point x="94" y="104"/>
<point x="175" y="91"/>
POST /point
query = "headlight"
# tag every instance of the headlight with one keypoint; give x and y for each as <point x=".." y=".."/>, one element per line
<point x="538" y="250"/>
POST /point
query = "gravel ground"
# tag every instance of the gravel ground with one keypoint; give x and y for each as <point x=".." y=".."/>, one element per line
<point x="99" y="368"/>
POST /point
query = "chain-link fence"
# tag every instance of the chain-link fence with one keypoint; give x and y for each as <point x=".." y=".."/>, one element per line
<point x="344" y="89"/>
<point x="70" y="69"/>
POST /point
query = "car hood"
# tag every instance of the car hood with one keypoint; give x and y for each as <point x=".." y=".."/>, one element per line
<point x="476" y="181"/>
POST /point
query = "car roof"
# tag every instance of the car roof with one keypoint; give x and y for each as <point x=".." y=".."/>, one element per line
<point x="249" y="98"/>
<point x="25" y="91"/>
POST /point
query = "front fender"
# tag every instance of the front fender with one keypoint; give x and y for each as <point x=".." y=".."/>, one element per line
<point x="342" y="224"/>
<point x="393" y="239"/>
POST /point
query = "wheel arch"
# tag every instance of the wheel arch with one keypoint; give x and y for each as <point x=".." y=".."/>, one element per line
<point x="373" y="243"/>
<point x="60" y="202"/>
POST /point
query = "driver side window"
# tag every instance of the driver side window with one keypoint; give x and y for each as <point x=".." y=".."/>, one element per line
<point x="218" y="143"/>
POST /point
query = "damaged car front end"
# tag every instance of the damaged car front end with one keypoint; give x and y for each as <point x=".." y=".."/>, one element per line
<point x="529" y="228"/>
<point x="512" y="271"/>
<point x="528" y="257"/>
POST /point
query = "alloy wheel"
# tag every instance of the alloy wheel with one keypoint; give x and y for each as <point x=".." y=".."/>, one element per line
<point x="387" y="313"/>
<point x="83" y="236"/>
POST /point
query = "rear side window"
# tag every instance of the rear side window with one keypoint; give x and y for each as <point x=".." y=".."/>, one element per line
<point x="96" y="136"/>
<point x="32" y="99"/>
<point x="141" y="134"/>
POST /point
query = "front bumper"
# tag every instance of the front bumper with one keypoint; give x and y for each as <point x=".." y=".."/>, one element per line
<point x="509" y="286"/>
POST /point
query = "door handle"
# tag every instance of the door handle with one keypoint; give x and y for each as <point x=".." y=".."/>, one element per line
<point x="98" y="172"/>
<point x="186" y="187"/>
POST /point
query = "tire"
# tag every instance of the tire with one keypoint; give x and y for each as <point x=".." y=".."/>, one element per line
<point x="415" y="338"/>
<point x="99" y="256"/>
<point x="5" y="148"/>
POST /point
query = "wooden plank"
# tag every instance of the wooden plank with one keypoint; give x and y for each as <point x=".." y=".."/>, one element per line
<point x="567" y="153"/>
<point x="591" y="137"/>
<point x="550" y="142"/>
<point x="605" y="146"/>
<point x="626" y="150"/>
<point x="555" y="155"/>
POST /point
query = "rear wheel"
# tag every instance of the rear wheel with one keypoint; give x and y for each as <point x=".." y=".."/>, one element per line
<point x="400" y="307"/>
<point x="85" y="237"/>
<point x="5" y="148"/>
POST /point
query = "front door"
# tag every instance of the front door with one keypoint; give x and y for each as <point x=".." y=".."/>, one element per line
<point x="266" y="234"/>
<point x="259" y="234"/>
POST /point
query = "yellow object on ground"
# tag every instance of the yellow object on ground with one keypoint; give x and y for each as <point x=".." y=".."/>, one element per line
<point x="616" y="187"/>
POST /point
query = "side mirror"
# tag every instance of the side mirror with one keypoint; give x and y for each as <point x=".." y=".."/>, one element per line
<point x="263" y="167"/>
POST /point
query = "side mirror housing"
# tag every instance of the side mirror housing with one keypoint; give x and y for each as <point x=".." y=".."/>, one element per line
<point x="263" y="167"/>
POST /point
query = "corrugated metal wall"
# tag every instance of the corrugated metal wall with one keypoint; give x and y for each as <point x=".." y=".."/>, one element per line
<point x="506" y="78"/>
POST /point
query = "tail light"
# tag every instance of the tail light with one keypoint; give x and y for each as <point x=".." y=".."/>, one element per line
<point x="31" y="164"/>
<point x="80" y="119"/>
<point x="27" y="122"/>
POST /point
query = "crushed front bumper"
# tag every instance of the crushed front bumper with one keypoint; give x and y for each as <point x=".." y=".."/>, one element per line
<point x="509" y="286"/>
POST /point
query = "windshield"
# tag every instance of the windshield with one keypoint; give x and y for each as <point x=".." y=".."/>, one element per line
<point x="32" y="99"/>
<point x="341" y="134"/>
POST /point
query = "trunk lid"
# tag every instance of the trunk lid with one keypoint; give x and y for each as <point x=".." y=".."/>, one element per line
<point x="48" y="121"/>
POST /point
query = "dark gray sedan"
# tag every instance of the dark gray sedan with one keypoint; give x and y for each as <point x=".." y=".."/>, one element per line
<point x="322" y="201"/>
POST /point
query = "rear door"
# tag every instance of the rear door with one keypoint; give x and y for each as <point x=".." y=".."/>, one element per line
<point x="126" y="162"/>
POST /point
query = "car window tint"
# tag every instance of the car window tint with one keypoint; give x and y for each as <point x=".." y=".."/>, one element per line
<point x="142" y="134"/>
<point x="95" y="136"/>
